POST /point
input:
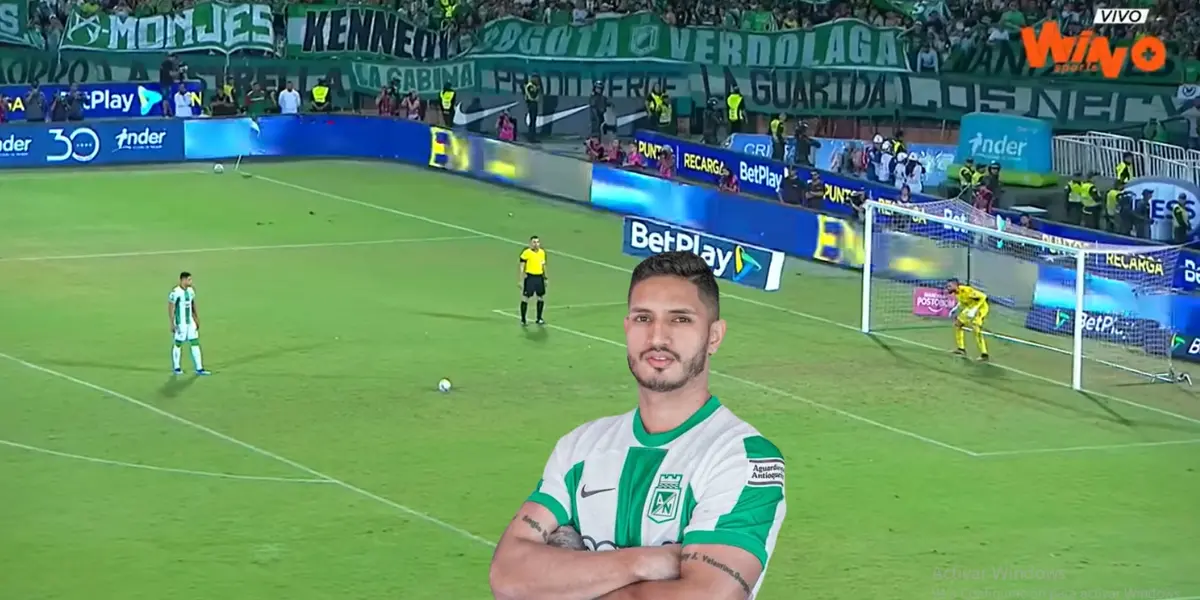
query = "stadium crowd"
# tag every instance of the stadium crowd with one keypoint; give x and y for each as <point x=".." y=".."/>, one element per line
<point x="943" y="29"/>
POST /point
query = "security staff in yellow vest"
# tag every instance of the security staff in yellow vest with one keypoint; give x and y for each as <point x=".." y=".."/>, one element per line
<point x="1112" y="208"/>
<point x="979" y="176"/>
<point x="533" y="105"/>
<point x="320" y="97"/>
<point x="654" y="105"/>
<point x="966" y="175"/>
<point x="1074" y="197"/>
<point x="666" y="115"/>
<point x="736" y="107"/>
<point x="448" y="98"/>
<point x="1124" y="169"/>
<point x="1089" y="198"/>
<point x="1181" y="225"/>
<point x="778" y="136"/>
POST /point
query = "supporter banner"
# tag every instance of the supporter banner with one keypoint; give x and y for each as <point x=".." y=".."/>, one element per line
<point x="370" y="77"/>
<point x="1007" y="60"/>
<point x="1069" y="106"/>
<point x="621" y="79"/>
<point x="26" y="66"/>
<point x="734" y="261"/>
<point x="841" y="44"/>
<point x="206" y="27"/>
<point x="368" y="31"/>
<point x="918" y="10"/>
<point x="14" y="24"/>
<point x="100" y="100"/>
<point x="105" y="142"/>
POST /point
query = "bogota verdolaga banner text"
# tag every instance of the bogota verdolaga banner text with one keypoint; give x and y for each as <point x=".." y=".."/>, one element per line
<point x="841" y="44"/>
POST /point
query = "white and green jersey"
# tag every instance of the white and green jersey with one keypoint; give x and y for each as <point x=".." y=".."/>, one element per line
<point x="182" y="299"/>
<point x="712" y="480"/>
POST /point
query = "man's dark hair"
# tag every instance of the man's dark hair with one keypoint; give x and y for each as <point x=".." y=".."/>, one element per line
<point x="534" y="237"/>
<point x="686" y="265"/>
<point x="184" y="275"/>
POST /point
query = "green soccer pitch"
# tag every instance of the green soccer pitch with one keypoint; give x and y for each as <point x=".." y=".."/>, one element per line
<point x="319" y="461"/>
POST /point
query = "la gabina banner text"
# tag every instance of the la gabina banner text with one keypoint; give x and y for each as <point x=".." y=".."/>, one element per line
<point x="206" y="27"/>
<point x="365" y="31"/>
<point x="14" y="24"/>
<point x="840" y="44"/>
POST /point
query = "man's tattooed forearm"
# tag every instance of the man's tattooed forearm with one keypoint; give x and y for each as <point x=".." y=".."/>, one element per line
<point x="536" y="527"/>
<point x="716" y="564"/>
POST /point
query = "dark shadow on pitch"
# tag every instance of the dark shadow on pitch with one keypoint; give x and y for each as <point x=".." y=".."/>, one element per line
<point x="1099" y="402"/>
<point x="176" y="385"/>
<point x="451" y="316"/>
<point x="536" y="333"/>
<point x="96" y="364"/>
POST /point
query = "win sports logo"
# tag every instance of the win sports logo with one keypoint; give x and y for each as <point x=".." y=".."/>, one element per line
<point x="743" y="264"/>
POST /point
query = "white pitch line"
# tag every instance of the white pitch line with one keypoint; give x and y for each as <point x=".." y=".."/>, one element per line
<point x="239" y="248"/>
<point x="797" y="313"/>
<point x="255" y="449"/>
<point x="1088" y="448"/>
<point x="129" y="465"/>
<point x="776" y="391"/>
<point x="558" y="307"/>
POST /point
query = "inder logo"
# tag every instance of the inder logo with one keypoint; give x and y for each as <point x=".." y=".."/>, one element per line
<point x="1089" y="52"/>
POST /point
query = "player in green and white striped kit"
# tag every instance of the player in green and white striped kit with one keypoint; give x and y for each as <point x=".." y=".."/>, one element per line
<point x="680" y="497"/>
<point x="185" y="327"/>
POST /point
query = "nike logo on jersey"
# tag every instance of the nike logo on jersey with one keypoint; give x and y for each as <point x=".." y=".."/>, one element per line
<point x="466" y="118"/>
<point x="586" y="493"/>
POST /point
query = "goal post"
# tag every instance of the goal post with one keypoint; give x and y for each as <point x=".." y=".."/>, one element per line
<point x="1087" y="303"/>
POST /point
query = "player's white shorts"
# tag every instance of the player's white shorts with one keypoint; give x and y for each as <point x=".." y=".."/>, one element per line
<point x="186" y="333"/>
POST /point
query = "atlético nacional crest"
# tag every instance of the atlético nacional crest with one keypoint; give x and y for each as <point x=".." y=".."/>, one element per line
<point x="665" y="498"/>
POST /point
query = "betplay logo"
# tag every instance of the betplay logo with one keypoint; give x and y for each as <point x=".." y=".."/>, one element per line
<point x="1106" y="325"/>
<point x="760" y="174"/>
<point x="108" y="99"/>
<point x="1191" y="271"/>
<point x="657" y="242"/>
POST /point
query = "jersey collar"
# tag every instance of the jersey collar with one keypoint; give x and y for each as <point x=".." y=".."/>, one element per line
<point x="646" y="438"/>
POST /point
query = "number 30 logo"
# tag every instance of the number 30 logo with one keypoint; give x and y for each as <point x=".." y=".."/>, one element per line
<point x="79" y="150"/>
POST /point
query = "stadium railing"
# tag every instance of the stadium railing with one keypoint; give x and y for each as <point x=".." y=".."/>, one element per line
<point x="1098" y="152"/>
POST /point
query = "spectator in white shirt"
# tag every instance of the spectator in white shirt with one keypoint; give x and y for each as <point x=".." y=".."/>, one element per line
<point x="183" y="103"/>
<point x="927" y="60"/>
<point x="289" y="100"/>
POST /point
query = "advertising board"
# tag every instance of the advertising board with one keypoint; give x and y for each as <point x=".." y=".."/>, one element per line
<point x="104" y="142"/>
<point x="730" y="260"/>
<point x="102" y="100"/>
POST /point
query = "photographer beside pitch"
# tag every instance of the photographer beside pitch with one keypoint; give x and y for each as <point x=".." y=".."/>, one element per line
<point x="686" y="498"/>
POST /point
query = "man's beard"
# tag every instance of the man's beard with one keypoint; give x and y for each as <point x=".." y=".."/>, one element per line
<point x="691" y="369"/>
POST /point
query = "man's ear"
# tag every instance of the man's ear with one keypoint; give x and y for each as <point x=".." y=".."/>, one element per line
<point x="716" y="335"/>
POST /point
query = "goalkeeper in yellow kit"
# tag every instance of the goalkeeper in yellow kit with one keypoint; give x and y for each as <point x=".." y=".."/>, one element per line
<point x="972" y="310"/>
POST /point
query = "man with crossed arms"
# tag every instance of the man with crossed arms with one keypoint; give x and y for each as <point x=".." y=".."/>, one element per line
<point x="678" y="498"/>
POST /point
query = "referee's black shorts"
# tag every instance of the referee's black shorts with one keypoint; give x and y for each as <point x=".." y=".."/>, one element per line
<point x="535" y="285"/>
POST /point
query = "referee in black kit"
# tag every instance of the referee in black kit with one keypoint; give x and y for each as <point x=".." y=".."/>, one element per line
<point x="533" y="278"/>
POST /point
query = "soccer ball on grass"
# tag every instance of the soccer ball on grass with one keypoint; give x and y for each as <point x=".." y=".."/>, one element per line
<point x="218" y="168"/>
<point x="444" y="386"/>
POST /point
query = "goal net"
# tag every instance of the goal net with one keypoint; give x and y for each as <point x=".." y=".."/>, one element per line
<point x="1055" y="304"/>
